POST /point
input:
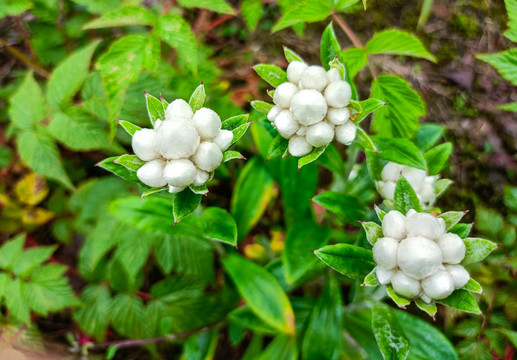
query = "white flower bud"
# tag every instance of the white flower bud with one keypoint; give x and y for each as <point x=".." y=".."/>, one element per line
<point x="224" y="139"/>
<point x="345" y="133"/>
<point x="286" y="124"/>
<point x="338" y="116"/>
<point x="144" y="144"/>
<point x="157" y="124"/>
<point x="426" y="193"/>
<point x="295" y="71"/>
<point x="151" y="173"/>
<point x="411" y="212"/>
<point x="394" y="225"/>
<point x="419" y="257"/>
<point x="275" y="110"/>
<point x="415" y="177"/>
<point x="180" y="173"/>
<point x="333" y="75"/>
<point x="208" y="156"/>
<point x="298" y="146"/>
<point x="385" y="252"/>
<point x="387" y="190"/>
<point x="314" y="77"/>
<point x="302" y="131"/>
<point x="391" y="171"/>
<point x="452" y="247"/>
<point x="319" y="134"/>
<point x="201" y="177"/>
<point x="179" y="108"/>
<point x="284" y="94"/>
<point x="425" y="298"/>
<point x="384" y="275"/>
<point x="439" y="285"/>
<point x="308" y="106"/>
<point x="207" y="123"/>
<point x="338" y="94"/>
<point x="459" y="275"/>
<point x="175" y="189"/>
<point x="426" y="225"/>
<point x="177" y="139"/>
<point x="405" y="286"/>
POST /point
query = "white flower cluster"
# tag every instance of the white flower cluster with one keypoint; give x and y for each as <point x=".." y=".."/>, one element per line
<point x="310" y="109"/>
<point x="418" y="257"/>
<point x="183" y="149"/>
<point x="418" y="179"/>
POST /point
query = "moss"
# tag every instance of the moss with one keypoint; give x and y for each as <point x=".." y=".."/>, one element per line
<point x="446" y="53"/>
<point x="466" y="26"/>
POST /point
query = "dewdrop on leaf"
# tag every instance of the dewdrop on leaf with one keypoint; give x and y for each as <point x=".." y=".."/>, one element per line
<point x="208" y="156"/>
<point x="338" y="94"/>
<point x="286" y="124"/>
<point x="314" y="77"/>
<point x="207" y="123"/>
<point x="177" y="139"/>
<point x="452" y="247"/>
<point x="283" y="94"/>
<point x="459" y="275"/>
<point x="224" y="139"/>
<point x="338" y="116"/>
<point x="405" y="286"/>
<point x="384" y="275"/>
<point x="394" y="225"/>
<point x="179" y="108"/>
<point x="438" y="286"/>
<point x="144" y="144"/>
<point x="320" y="134"/>
<point x="151" y="173"/>
<point x="346" y="133"/>
<point x="308" y="106"/>
<point x="419" y="257"/>
<point x="426" y="225"/>
<point x="385" y="252"/>
<point x="180" y="173"/>
<point x="298" y="146"/>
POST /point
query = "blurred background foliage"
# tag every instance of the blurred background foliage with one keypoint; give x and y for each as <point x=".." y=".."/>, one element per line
<point x="68" y="69"/>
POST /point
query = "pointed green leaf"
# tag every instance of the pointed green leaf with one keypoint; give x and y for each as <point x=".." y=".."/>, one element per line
<point x="462" y="300"/>
<point x="397" y="299"/>
<point x="31" y="258"/>
<point x="397" y="42"/>
<point x="477" y="250"/>
<point x="10" y="250"/>
<point x="197" y="99"/>
<point x="119" y="170"/>
<point x="511" y="106"/>
<point x="219" y="6"/>
<point x="291" y="56"/>
<point x="272" y="74"/>
<point x="462" y="230"/>
<point x="199" y="189"/>
<point x="354" y="59"/>
<point x="15" y="302"/>
<point x="373" y="231"/>
<point x="278" y="147"/>
<point x="155" y="109"/>
<point x="346" y="259"/>
<point x="367" y="107"/>
<point x="437" y="157"/>
<point x="347" y="207"/>
<point x="401" y="151"/>
<point x="390" y="337"/>
<point x="282" y="347"/>
<point x="428" y="135"/>
<point x="429" y="308"/>
<point x="125" y="16"/>
<point x="405" y="197"/>
<point x="219" y="225"/>
<point x="231" y="155"/>
<point x="451" y="218"/>
<point x="127" y="315"/>
<point x="304" y="11"/>
<point x="371" y="279"/>
<point x="504" y="62"/>
<point x="473" y="286"/>
<point x="365" y="142"/>
<point x="261" y="106"/>
<point x="312" y="156"/>
<point x="93" y="315"/>
<point x="130" y="162"/>
<point x="184" y="203"/>
<point x="130" y="128"/>
<point x="27" y="106"/>
<point x="251" y="11"/>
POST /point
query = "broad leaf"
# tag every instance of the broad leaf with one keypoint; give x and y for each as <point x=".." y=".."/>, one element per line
<point x="397" y="42"/>
<point x="401" y="151"/>
<point x="462" y="230"/>
<point x="278" y="147"/>
<point x="125" y="16"/>
<point x="367" y="107"/>
<point x="184" y="203"/>
<point x="304" y="11"/>
<point x="428" y="135"/>
<point x="127" y="315"/>
<point x="347" y="207"/>
<point x="219" y="6"/>
<point x="451" y="218"/>
<point x="219" y="225"/>
<point x="93" y="315"/>
<point x="462" y="300"/>
<point x="505" y="62"/>
<point x="31" y="258"/>
<point x="251" y="11"/>
<point x="354" y="59"/>
<point x="437" y="157"/>
<point x="350" y="260"/>
<point x="388" y="333"/>
<point x="27" y="105"/>
<point x="272" y="74"/>
<point x="477" y="250"/>
<point x="405" y="197"/>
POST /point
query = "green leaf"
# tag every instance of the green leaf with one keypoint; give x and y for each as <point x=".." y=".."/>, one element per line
<point x="365" y="141"/>
<point x="428" y="135"/>
<point x="304" y="11"/>
<point x="462" y="300"/>
<point x="125" y="16"/>
<point x="401" y="151"/>
<point x="252" y="193"/>
<point x="505" y="62"/>
<point x="451" y="218"/>
<point x="119" y="170"/>
<point x="39" y="152"/>
<point x="346" y="259"/>
<point x="347" y="207"/>
<point x="303" y="237"/>
<point x="263" y="294"/>
<point x="291" y="56"/>
<point x="477" y="250"/>
<point x="367" y="107"/>
<point x="462" y="230"/>
<point x="397" y="42"/>
<point x="508" y="107"/>
<point x="93" y="315"/>
<point x="354" y="59"/>
<point x="184" y="203"/>
<point x="371" y="279"/>
<point x="400" y="117"/>
<point x="427" y="7"/>
<point x="130" y="128"/>
<point x="251" y="11"/>
<point x="219" y="6"/>
<point x="323" y="336"/>
<point x="405" y="197"/>
<point x="388" y="333"/>
<point x="155" y="110"/>
<point x="312" y="156"/>
<point x="397" y="299"/>
<point x="27" y="105"/>
<point x="272" y="74"/>
<point x="511" y="9"/>
<point x="10" y="250"/>
<point x="31" y="258"/>
<point x="244" y="317"/>
<point x="69" y="75"/>
<point x="261" y="106"/>
<point x="127" y="315"/>
<point x="15" y="302"/>
<point x="437" y="157"/>
<point x="219" y="225"/>
<point x="282" y="347"/>
<point x="511" y="335"/>
<point x="278" y="147"/>
<point x="199" y="189"/>
<point x="373" y="231"/>
<point x="197" y="99"/>
<point x="238" y="125"/>
<point x="130" y="162"/>
<point x="429" y="308"/>
<point x="231" y="155"/>
<point x="473" y="286"/>
<point x="14" y="7"/>
<point x="441" y="185"/>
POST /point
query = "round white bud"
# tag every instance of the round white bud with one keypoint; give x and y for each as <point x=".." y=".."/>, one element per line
<point x="419" y="257"/>
<point x="224" y="139"/>
<point x="385" y="252"/>
<point x="314" y="77"/>
<point x="415" y="177"/>
<point x="176" y="189"/>
<point x="384" y="275"/>
<point x="391" y="171"/>
<point x="179" y="108"/>
<point x="345" y="133"/>
<point x="459" y="275"/>
<point x="157" y="124"/>
<point x="151" y="173"/>
<point x="207" y="123"/>
<point x="180" y="173"/>
<point x="319" y="134"/>
<point x="286" y="124"/>
<point x="177" y="139"/>
<point x="208" y="156"/>
<point x="201" y="177"/>
<point x="308" y="106"/>
<point x="144" y="144"/>
<point x="338" y="94"/>
<point x="284" y="94"/>
<point x="295" y="71"/>
<point x="387" y="190"/>
<point x="302" y="131"/>
<point x="439" y="285"/>
<point x="411" y="212"/>
<point x="338" y="116"/>
<point x="298" y="146"/>
<point x="405" y="286"/>
<point x="333" y="75"/>
<point x="394" y="225"/>
<point x="426" y="193"/>
<point x="426" y="225"/>
<point x="273" y="113"/>
<point x="452" y="247"/>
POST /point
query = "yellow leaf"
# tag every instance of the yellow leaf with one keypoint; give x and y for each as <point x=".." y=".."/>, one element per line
<point x="36" y="216"/>
<point x="31" y="189"/>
